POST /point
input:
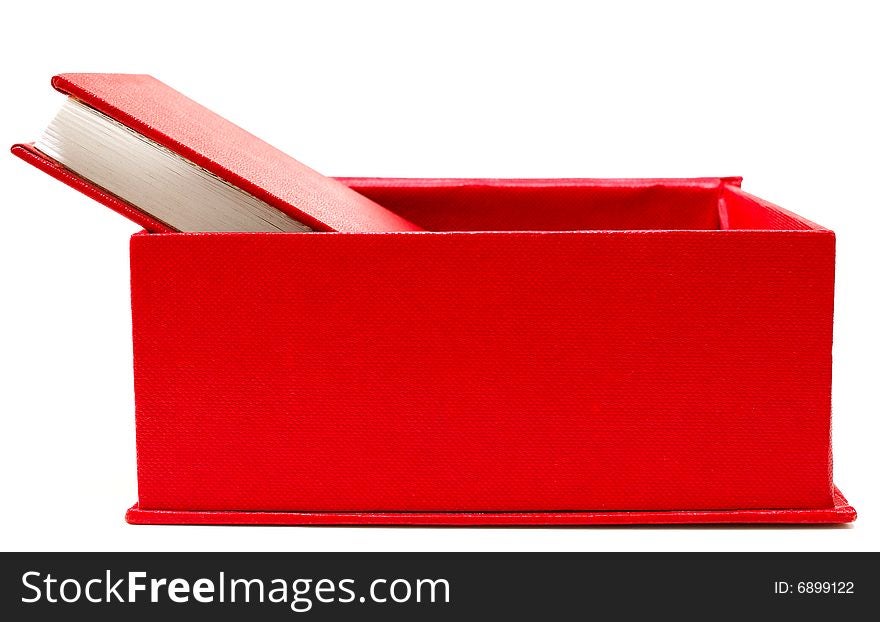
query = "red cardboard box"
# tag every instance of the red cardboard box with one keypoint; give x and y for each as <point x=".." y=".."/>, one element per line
<point x="552" y="352"/>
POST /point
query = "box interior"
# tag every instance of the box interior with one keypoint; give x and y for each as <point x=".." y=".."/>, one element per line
<point x="499" y="205"/>
<point x="576" y="205"/>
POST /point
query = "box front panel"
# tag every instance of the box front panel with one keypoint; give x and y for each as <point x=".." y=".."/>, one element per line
<point x="483" y="371"/>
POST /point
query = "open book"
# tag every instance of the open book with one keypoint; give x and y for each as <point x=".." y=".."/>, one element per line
<point x="168" y="163"/>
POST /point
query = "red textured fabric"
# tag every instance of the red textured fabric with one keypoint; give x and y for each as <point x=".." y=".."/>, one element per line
<point x="551" y="204"/>
<point x="681" y="369"/>
<point x="187" y="128"/>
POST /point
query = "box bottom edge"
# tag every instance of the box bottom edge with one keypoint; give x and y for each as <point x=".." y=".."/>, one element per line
<point x="839" y="513"/>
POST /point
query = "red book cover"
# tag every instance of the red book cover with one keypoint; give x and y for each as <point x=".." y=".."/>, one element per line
<point x="175" y="122"/>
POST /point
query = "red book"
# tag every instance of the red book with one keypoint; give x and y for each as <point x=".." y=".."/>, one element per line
<point x="157" y="157"/>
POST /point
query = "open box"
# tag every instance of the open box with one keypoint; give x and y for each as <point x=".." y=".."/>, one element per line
<point x="547" y="352"/>
<point x="551" y="352"/>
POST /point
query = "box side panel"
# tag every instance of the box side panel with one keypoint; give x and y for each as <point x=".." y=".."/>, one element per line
<point x="745" y="211"/>
<point x="483" y="372"/>
<point x="548" y="205"/>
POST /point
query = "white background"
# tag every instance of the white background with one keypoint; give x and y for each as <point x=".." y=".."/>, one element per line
<point x="784" y="94"/>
